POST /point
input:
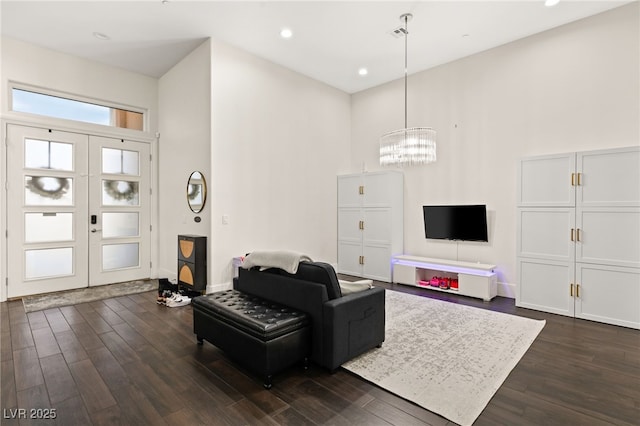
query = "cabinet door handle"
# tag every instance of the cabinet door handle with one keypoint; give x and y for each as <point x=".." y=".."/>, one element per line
<point x="579" y="175"/>
<point x="571" y="290"/>
<point x="577" y="290"/>
<point x="361" y="190"/>
<point x="572" y="234"/>
<point x="578" y="234"/>
<point x="361" y="224"/>
<point x="573" y="179"/>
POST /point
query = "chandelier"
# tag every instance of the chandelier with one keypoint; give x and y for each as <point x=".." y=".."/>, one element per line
<point x="408" y="146"/>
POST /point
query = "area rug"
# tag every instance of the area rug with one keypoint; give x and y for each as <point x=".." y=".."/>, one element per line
<point x="88" y="294"/>
<point x="447" y="358"/>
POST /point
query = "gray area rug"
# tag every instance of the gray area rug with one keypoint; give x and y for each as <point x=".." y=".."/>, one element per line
<point x="450" y="359"/>
<point x="88" y="294"/>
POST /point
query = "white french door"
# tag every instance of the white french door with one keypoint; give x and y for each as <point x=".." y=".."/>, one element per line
<point x="77" y="211"/>
<point x="119" y="224"/>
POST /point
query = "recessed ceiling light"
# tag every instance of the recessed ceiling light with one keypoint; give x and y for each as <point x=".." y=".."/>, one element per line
<point x="363" y="71"/>
<point x="286" y="33"/>
<point x="101" y="36"/>
<point x="466" y="35"/>
<point x="550" y="3"/>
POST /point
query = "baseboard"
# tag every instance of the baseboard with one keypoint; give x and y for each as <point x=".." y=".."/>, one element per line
<point x="212" y="288"/>
<point x="507" y="290"/>
<point x="171" y="275"/>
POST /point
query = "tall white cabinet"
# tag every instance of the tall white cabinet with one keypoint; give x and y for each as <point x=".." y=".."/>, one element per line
<point x="370" y="223"/>
<point x="578" y="239"/>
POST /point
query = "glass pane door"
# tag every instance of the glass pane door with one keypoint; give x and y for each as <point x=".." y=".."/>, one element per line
<point x="77" y="210"/>
<point x="47" y="210"/>
<point x="119" y="209"/>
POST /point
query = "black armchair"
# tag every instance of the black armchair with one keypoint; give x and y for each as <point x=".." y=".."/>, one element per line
<point x="342" y="327"/>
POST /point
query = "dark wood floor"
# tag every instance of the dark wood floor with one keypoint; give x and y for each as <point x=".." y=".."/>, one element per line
<point x="130" y="361"/>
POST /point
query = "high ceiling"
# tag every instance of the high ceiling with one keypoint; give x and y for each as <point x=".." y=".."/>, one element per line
<point x="331" y="40"/>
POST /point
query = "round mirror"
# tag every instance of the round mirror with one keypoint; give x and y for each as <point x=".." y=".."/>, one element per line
<point x="196" y="192"/>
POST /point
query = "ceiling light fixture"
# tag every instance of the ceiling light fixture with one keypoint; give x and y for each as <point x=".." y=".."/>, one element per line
<point x="286" y="33"/>
<point x="408" y="146"/>
<point x="363" y="71"/>
<point x="101" y="36"/>
<point x="550" y="3"/>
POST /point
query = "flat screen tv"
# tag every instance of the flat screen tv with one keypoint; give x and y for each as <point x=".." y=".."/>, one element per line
<point x="462" y="222"/>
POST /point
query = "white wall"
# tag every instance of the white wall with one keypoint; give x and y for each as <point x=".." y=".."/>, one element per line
<point x="279" y="140"/>
<point x="568" y="89"/>
<point x="184" y="147"/>
<point x="29" y="64"/>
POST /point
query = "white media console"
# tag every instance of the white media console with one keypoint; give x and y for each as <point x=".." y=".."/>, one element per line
<point x="474" y="279"/>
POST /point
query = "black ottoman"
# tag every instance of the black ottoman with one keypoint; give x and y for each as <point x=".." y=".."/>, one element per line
<point x="263" y="336"/>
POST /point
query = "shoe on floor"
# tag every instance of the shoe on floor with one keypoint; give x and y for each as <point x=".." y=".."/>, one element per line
<point x="178" y="301"/>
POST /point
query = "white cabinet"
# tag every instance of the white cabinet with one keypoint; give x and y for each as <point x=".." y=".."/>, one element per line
<point x="370" y="223"/>
<point x="543" y="181"/>
<point x="608" y="236"/>
<point x="545" y="285"/>
<point x="545" y="233"/>
<point x="577" y="240"/>
<point x="608" y="294"/>
<point x="608" y="178"/>
<point x="474" y="279"/>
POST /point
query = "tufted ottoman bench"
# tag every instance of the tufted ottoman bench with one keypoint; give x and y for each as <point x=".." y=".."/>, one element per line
<point x="263" y="336"/>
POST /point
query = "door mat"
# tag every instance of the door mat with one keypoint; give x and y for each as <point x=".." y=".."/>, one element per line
<point x="89" y="294"/>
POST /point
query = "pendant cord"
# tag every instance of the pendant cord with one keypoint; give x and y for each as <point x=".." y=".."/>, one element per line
<point x="406" y="36"/>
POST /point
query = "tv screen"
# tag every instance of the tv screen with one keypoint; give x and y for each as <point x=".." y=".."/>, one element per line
<point x="464" y="223"/>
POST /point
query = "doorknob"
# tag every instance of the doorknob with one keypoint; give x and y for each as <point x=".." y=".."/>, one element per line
<point x="94" y="230"/>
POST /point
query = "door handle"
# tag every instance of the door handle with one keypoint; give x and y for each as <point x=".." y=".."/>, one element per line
<point x="94" y="230"/>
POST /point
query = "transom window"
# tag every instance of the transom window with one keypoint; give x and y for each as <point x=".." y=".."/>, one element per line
<point x="72" y="109"/>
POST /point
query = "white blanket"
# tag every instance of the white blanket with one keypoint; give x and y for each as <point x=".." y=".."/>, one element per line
<point x="348" y="287"/>
<point x="286" y="260"/>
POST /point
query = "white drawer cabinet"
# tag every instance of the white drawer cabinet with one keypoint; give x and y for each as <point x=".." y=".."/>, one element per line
<point x="577" y="239"/>
<point x="370" y="223"/>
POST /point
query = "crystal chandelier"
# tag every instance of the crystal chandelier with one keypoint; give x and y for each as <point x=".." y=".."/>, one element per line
<point x="408" y="146"/>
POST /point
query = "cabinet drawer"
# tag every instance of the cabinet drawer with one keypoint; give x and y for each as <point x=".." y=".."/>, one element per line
<point x="546" y="181"/>
<point x="546" y="233"/>
<point x="609" y="177"/>
<point x="608" y="294"/>
<point x="192" y="248"/>
<point x="544" y="285"/>
<point x="192" y="275"/>
<point x="608" y="236"/>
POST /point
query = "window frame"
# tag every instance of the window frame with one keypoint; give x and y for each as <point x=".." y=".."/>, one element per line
<point x="113" y="106"/>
